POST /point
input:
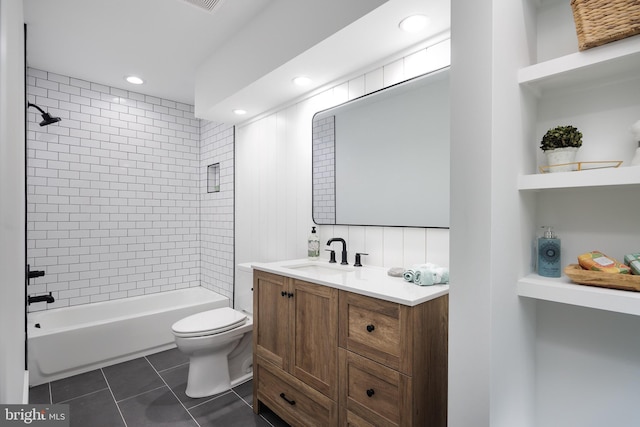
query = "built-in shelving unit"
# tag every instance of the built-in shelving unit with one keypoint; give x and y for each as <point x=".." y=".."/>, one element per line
<point x="564" y="291"/>
<point x="618" y="61"/>
<point x="612" y="177"/>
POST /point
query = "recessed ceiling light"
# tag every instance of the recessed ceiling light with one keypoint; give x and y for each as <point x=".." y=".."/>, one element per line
<point x="414" y="23"/>
<point x="134" y="80"/>
<point x="239" y="111"/>
<point x="302" y="81"/>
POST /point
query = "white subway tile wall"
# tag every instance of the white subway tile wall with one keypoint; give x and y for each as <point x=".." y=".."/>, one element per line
<point x="217" y="209"/>
<point x="114" y="192"/>
<point x="323" y="142"/>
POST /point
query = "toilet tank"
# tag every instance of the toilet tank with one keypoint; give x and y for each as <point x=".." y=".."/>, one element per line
<point x="243" y="293"/>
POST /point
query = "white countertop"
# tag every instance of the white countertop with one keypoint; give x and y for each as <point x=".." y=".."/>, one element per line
<point x="367" y="280"/>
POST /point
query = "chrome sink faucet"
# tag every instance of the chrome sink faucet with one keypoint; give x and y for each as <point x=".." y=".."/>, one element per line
<point x="344" y="248"/>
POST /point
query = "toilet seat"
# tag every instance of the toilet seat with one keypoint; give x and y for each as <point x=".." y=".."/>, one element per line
<point x="209" y="322"/>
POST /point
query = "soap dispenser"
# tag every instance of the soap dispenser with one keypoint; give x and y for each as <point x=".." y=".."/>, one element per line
<point x="313" y="247"/>
<point x="549" y="254"/>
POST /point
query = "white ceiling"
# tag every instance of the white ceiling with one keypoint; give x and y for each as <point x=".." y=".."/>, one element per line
<point x="243" y="55"/>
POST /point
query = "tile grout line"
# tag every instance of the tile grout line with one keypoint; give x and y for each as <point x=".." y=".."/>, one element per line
<point x="174" y="395"/>
<point x="82" y="395"/>
<point x="140" y="394"/>
<point x="213" y="397"/>
<point x="240" y="397"/>
<point x="251" y="407"/>
<point x="169" y="368"/>
<point x="113" y="397"/>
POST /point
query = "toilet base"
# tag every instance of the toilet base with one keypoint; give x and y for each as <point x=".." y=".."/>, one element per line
<point x="218" y="362"/>
<point x="203" y="380"/>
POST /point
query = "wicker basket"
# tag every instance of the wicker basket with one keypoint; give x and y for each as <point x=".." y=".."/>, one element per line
<point x="604" y="21"/>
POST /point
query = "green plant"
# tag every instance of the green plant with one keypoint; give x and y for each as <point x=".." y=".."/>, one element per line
<point x="560" y="137"/>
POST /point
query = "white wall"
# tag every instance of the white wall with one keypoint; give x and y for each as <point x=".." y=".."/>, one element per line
<point x="273" y="192"/>
<point x="587" y="367"/>
<point x="514" y="361"/>
<point x="491" y="331"/>
<point x="12" y="201"/>
<point x="587" y="362"/>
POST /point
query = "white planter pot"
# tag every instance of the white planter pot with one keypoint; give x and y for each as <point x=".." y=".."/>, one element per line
<point x="561" y="156"/>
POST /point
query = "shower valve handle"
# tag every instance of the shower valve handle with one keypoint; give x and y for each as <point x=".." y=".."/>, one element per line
<point x="32" y="274"/>
<point x="36" y="273"/>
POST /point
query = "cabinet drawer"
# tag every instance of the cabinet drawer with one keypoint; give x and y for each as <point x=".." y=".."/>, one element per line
<point x="355" y="421"/>
<point x="373" y="392"/>
<point x="292" y="400"/>
<point x="375" y="329"/>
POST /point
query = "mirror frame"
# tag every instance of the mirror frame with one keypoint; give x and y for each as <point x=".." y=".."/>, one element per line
<point x="330" y="127"/>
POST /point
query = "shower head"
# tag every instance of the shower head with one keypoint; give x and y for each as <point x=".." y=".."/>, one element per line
<point x="46" y="117"/>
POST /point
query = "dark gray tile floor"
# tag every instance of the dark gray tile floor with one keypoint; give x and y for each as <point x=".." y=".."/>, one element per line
<point x="149" y="391"/>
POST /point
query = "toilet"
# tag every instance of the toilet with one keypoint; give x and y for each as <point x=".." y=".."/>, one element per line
<point x="219" y="344"/>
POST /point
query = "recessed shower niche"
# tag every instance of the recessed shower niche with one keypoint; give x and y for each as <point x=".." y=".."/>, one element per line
<point x="213" y="178"/>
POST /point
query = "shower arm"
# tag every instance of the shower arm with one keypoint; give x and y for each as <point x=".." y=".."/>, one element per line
<point x="36" y="107"/>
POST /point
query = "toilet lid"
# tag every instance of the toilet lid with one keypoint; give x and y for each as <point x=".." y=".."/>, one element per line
<point x="209" y="322"/>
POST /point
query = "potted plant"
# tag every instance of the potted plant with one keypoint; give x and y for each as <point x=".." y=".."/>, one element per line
<point x="561" y="144"/>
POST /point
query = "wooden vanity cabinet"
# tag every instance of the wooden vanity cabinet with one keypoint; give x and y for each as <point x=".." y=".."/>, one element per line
<point x="393" y="362"/>
<point x="295" y="347"/>
<point x="324" y="357"/>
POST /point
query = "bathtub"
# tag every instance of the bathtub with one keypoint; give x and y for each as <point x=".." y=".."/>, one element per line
<point x="67" y="341"/>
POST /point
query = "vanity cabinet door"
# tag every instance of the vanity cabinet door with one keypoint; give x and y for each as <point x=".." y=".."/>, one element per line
<point x="296" y="329"/>
<point x="314" y="336"/>
<point x="271" y="318"/>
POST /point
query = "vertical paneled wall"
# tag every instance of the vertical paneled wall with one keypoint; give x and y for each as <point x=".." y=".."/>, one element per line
<point x="113" y="192"/>
<point x="273" y="188"/>
<point x="216" y="208"/>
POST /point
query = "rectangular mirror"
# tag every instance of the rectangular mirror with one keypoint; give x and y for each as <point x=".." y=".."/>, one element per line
<point x="383" y="159"/>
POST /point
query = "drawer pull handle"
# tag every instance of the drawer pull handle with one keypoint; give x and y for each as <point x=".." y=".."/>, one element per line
<point x="283" y="293"/>
<point x="370" y="392"/>
<point x="290" y="295"/>
<point x="290" y="402"/>
<point x="370" y="328"/>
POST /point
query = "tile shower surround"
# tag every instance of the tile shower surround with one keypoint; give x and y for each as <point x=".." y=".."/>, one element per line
<point x="115" y="194"/>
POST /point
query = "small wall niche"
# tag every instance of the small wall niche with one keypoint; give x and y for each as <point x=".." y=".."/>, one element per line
<point x="213" y="178"/>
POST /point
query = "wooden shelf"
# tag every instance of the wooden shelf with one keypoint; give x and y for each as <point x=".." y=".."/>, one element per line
<point x="564" y="291"/>
<point x="613" y="177"/>
<point x="618" y="60"/>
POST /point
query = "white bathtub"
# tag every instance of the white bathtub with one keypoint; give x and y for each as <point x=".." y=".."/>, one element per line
<point x="81" y="338"/>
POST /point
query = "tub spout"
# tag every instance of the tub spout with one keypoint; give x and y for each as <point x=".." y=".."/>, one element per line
<point x="40" y="298"/>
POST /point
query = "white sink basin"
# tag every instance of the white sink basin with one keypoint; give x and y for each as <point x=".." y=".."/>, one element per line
<point x="321" y="269"/>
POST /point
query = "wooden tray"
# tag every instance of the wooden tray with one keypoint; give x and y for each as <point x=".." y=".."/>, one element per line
<point x="625" y="282"/>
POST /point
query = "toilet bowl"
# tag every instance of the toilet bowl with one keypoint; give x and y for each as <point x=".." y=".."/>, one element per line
<point x="219" y="345"/>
